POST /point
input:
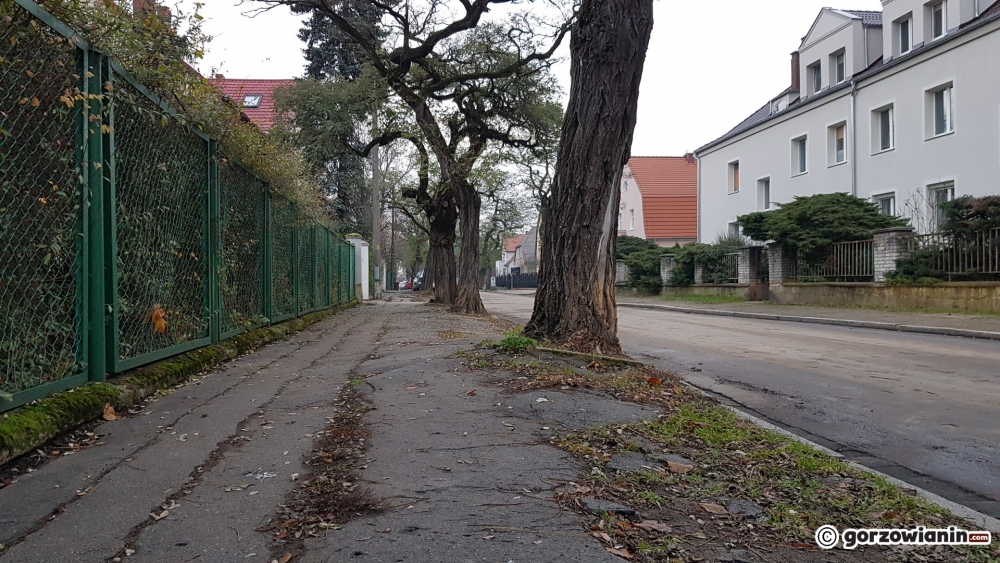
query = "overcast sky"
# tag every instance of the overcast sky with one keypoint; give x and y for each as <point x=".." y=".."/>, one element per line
<point x="710" y="63"/>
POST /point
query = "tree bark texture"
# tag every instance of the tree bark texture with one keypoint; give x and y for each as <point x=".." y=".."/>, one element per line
<point x="469" y="208"/>
<point x="575" y="303"/>
<point x="440" y="272"/>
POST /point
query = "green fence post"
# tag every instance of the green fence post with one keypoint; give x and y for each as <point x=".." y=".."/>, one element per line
<point x="295" y="260"/>
<point x="266" y="264"/>
<point x="96" y="315"/>
<point x="215" y="249"/>
<point x="110" y="231"/>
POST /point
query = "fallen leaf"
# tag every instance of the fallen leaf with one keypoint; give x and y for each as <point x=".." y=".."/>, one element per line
<point x="713" y="508"/>
<point x="471" y="393"/>
<point x="109" y="413"/>
<point x="35" y="103"/>
<point x="655" y="381"/>
<point x="679" y="468"/>
<point x="654" y="526"/>
<point x="603" y="536"/>
<point x="700" y="535"/>
<point x="891" y="515"/>
<point x="542" y="400"/>
<point x="295" y="476"/>
<point x="489" y="537"/>
<point x="285" y="558"/>
<point x="623" y="552"/>
<point x="158" y="318"/>
<point x="160" y="516"/>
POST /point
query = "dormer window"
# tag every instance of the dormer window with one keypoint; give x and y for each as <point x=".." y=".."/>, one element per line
<point x="939" y="20"/>
<point x="816" y="77"/>
<point x="904" y="31"/>
<point x="840" y="67"/>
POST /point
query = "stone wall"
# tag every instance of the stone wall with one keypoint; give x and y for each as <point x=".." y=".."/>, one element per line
<point x="970" y="297"/>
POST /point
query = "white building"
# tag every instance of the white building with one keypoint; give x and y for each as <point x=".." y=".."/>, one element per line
<point x="900" y="106"/>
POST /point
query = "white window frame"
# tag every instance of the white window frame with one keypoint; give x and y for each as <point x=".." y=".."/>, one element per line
<point x="839" y="65"/>
<point x="816" y="77"/>
<point x="931" y="12"/>
<point x="898" y="26"/>
<point x="734" y="228"/>
<point x="764" y="201"/>
<point x="932" y="202"/>
<point x="834" y="158"/>
<point x="631" y="215"/>
<point x="800" y="157"/>
<point x="877" y="130"/>
<point x="733" y="177"/>
<point x="931" y="110"/>
<point x="880" y="197"/>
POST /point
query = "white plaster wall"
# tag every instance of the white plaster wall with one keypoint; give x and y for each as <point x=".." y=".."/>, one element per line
<point x="970" y="156"/>
<point x="631" y="200"/>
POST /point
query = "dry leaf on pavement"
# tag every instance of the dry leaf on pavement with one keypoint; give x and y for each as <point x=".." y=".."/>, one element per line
<point x="713" y="508"/>
<point x="109" y="413"/>
<point x="654" y="526"/>
<point x="679" y="468"/>
<point x="623" y="552"/>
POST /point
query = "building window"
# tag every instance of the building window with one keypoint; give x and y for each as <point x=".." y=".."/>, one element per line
<point x="938" y="20"/>
<point x="940" y="194"/>
<point x="734" y="229"/>
<point x="817" y="77"/>
<point x="799" y="154"/>
<point x="734" y="177"/>
<point x="941" y="116"/>
<point x="905" y="30"/>
<point x="631" y="219"/>
<point x="252" y="100"/>
<point x="886" y="203"/>
<point x="838" y="144"/>
<point x="883" y="130"/>
<point x="840" y="66"/>
<point x="764" y="194"/>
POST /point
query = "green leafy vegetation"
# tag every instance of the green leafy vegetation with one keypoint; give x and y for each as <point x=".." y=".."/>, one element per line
<point x="809" y="225"/>
<point x="514" y="343"/>
<point x="709" y="256"/>
<point x="643" y="260"/>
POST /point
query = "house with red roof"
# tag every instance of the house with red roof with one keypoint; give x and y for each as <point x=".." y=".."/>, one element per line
<point x="254" y="96"/>
<point x="659" y="200"/>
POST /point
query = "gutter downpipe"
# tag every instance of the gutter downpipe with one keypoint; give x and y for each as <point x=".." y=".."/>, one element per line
<point x="854" y="138"/>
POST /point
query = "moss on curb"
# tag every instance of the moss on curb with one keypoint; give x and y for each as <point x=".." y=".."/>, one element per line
<point x="28" y="427"/>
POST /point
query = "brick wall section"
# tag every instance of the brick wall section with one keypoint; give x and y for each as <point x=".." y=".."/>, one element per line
<point x="666" y="267"/>
<point x="780" y="264"/>
<point x="890" y="245"/>
<point x="749" y="265"/>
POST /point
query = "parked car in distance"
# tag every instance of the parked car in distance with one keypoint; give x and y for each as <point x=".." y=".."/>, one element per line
<point x="409" y="284"/>
<point x="418" y="282"/>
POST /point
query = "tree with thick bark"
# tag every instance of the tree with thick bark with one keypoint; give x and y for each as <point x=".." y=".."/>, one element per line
<point x="575" y="302"/>
<point x="469" y="83"/>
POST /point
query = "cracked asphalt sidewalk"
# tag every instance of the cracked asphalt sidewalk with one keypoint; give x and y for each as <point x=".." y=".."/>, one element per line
<point x="196" y="475"/>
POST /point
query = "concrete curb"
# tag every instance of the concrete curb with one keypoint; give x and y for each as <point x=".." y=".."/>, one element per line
<point x="31" y="426"/>
<point x="944" y="331"/>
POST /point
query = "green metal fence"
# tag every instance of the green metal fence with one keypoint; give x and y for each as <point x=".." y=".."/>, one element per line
<point x="125" y="235"/>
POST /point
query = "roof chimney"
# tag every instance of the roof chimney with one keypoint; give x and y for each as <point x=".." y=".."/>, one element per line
<point x="796" y="76"/>
<point x="689" y="157"/>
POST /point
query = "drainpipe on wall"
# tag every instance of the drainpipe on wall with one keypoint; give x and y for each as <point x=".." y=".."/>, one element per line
<point x="854" y="137"/>
<point x="977" y="9"/>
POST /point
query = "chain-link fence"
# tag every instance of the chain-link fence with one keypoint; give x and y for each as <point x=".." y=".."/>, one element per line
<point x="127" y="236"/>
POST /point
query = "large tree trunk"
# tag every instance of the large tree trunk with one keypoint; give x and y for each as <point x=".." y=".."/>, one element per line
<point x="575" y="302"/>
<point x="470" y="205"/>
<point x="439" y="275"/>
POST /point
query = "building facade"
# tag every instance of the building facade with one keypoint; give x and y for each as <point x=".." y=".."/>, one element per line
<point x="899" y="107"/>
<point x="659" y="199"/>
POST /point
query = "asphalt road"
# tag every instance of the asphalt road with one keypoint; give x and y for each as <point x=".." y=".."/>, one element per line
<point x="923" y="408"/>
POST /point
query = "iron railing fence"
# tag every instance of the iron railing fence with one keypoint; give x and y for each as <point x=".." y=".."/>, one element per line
<point x="844" y="262"/>
<point x="125" y="235"/>
<point x="731" y="267"/>
<point x="958" y="257"/>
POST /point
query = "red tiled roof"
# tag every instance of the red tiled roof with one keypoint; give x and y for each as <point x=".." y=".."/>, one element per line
<point x="669" y="188"/>
<point x="511" y="244"/>
<point x="235" y="89"/>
